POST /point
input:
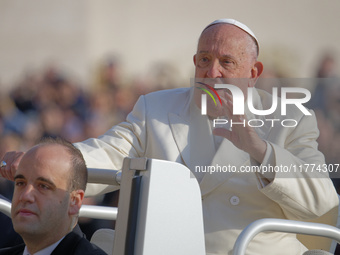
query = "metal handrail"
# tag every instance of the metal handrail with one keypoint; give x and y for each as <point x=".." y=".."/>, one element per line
<point x="104" y="176"/>
<point x="5" y="207"/>
<point x="98" y="212"/>
<point x="281" y="225"/>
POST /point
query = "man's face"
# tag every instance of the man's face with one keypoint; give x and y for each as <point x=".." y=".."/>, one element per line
<point x="225" y="54"/>
<point x="41" y="200"/>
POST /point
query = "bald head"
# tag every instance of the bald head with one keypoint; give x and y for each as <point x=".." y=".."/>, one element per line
<point x="61" y="155"/>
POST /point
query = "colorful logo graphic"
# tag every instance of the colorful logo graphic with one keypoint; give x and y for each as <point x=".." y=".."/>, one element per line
<point x="209" y="93"/>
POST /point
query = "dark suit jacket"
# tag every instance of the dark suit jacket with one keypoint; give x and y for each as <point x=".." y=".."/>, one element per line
<point x="8" y="237"/>
<point x="74" y="243"/>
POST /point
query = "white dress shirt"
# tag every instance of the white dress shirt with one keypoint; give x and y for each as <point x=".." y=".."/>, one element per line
<point x="46" y="251"/>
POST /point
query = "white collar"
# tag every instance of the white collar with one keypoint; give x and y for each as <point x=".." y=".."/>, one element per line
<point x="46" y="251"/>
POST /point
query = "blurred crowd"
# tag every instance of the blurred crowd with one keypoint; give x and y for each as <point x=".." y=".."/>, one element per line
<point x="49" y="103"/>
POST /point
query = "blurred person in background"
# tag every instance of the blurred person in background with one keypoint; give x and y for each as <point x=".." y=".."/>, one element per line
<point x="326" y="69"/>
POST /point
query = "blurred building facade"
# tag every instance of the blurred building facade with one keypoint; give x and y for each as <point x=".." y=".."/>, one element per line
<point x="78" y="34"/>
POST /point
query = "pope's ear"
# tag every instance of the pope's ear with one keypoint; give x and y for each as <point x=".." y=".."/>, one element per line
<point x="257" y="69"/>
<point x="194" y="59"/>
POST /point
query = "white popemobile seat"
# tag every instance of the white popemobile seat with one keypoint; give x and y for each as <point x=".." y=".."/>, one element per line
<point x="160" y="210"/>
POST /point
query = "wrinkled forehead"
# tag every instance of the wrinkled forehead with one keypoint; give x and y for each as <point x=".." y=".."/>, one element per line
<point x="239" y="28"/>
<point x="224" y="38"/>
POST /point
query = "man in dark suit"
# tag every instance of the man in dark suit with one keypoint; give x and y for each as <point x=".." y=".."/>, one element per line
<point x="74" y="243"/>
<point x="49" y="189"/>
